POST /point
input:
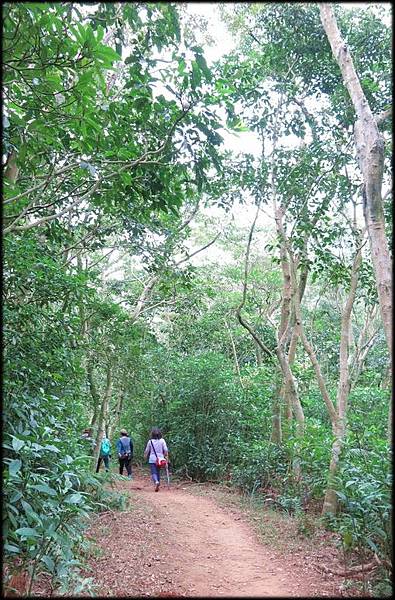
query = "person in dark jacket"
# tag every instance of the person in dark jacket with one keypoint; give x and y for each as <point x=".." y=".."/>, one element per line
<point x="125" y="453"/>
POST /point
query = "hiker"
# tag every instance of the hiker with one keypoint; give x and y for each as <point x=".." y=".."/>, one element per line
<point x="125" y="453"/>
<point x="105" y="453"/>
<point x="156" y="448"/>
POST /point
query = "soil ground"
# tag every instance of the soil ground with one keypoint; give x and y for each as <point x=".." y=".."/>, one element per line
<point x="191" y="540"/>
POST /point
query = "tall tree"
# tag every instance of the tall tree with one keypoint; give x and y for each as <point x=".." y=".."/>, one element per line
<point x="370" y="151"/>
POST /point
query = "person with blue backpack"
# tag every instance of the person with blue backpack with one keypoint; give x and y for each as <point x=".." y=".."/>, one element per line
<point x="125" y="453"/>
<point x="105" y="454"/>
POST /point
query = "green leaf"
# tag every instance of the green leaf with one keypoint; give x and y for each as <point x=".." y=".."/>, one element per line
<point x="74" y="499"/>
<point x="214" y="158"/>
<point x="43" y="487"/>
<point x="49" y="563"/>
<point x="11" y="548"/>
<point x="14" y="467"/>
<point x="196" y="78"/>
<point x="347" y="538"/>
<point x="372" y="545"/>
<point x="28" y="532"/>
<point x="52" y="448"/>
<point x="108" y="53"/>
<point x="342" y="497"/>
<point x="201" y="61"/>
<point x="99" y="33"/>
<point x="240" y="126"/>
<point x="16" y="496"/>
<point x="27" y="507"/>
<point x="17" y="444"/>
<point x="181" y="66"/>
<point x="77" y="34"/>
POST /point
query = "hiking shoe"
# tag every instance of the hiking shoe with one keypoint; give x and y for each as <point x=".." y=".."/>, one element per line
<point x="157" y="486"/>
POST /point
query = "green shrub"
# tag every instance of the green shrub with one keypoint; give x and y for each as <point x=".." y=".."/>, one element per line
<point x="201" y="415"/>
<point x="48" y="489"/>
<point x="365" y="484"/>
<point x="262" y="465"/>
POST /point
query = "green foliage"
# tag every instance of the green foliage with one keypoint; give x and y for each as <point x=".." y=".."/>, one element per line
<point x="364" y="493"/>
<point x="112" y="140"/>
<point x="261" y="465"/>
<point x="48" y="491"/>
<point x="201" y="415"/>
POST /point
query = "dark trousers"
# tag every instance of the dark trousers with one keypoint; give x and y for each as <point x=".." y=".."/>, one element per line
<point x="106" y="460"/>
<point x="127" y="463"/>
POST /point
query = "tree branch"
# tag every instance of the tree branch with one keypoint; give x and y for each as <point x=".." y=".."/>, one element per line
<point x="56" y="215"/>
<point x="199" y="250"/>
<point x="383" y="115"/>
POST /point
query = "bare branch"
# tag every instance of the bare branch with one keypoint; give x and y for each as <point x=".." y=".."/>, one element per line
<point x="381" y="117"/>
<point x="199" y="250"/>
<point x="40" y="185"/>
<point x="55" y="215"/>
<point x="241" y="320"/>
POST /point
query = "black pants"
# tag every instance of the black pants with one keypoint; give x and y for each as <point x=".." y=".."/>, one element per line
<point x="106" y="460"/>
<point x="127" y="463"/>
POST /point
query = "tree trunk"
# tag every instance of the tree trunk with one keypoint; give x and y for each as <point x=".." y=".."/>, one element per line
<point x="117" y="417"/>
<point x="94" y="392"/>
<point x="289" y="291"/>
<point x="276" y="435"/>
<point x="366" y="339"/>
<point x="293" y="344"/>
<point x="237" y="366"/>
<point x="330" y="500"/>
<point x="370" y="151"/>
<point x="12" y="170"/>
<point x="144" y="296"/>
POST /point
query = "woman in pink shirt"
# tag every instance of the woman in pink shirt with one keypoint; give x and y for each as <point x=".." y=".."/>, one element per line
<point x="156" y="448"/>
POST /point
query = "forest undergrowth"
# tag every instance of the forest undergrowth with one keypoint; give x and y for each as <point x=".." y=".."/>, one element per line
<point x="198" y="240"/>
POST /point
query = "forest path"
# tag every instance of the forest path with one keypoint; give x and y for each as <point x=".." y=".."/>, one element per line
<point x="177" y="543"/>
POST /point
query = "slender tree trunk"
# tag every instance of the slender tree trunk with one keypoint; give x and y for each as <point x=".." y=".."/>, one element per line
<point x="117" y="417"/>
<point x="366" y="339"/>
<point x="276" y="435"/>
<point x="289" y="383"/>
<point x="293" y="344"/>
<point x="94" y="392"/>
<point x="237" y="366"/>
<point x="144" y="296"/>
<point x="321" y="383"/>
<point x="330" y="500"/>
<point x="12" y="170"/>
<point x="288" y="292"/>
<point x="370" y="151"/>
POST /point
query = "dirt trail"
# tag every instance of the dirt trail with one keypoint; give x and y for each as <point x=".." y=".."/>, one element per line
<point x="219" y="556"/>
<point x="175" y="543"/>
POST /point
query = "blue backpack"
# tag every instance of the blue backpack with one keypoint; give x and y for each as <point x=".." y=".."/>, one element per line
<point x="125" y="447"/>
<point x="105" y="447"/>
